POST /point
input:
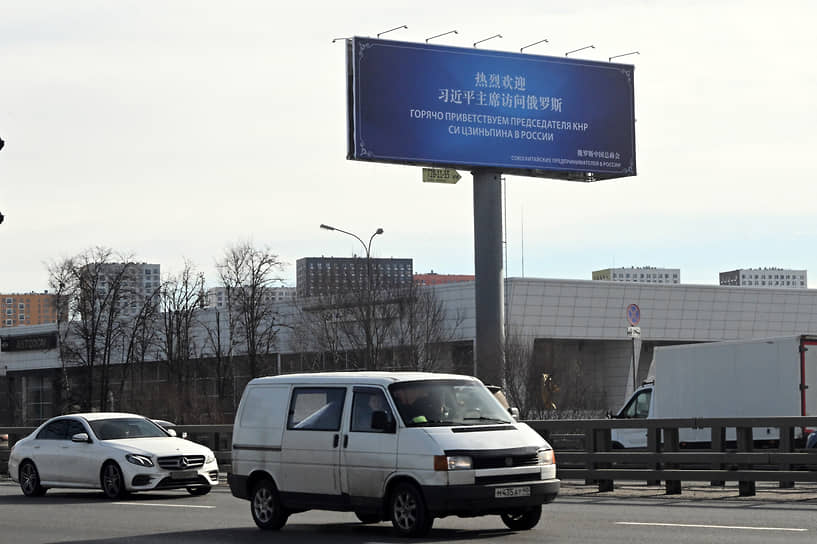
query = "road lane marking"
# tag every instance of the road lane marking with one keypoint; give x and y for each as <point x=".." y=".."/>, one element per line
<point x="163" y="505"/>
<point x="701" y="526"/>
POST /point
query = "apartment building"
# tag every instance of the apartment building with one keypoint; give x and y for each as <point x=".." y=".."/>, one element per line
<point x="323" y="276"/>
<point x="23" y="309"/>
<point x="760" y="278"/>
<point x="640" y="274"/>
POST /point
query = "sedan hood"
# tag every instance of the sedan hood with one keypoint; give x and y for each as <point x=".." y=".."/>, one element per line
<point x="158" y="446"/>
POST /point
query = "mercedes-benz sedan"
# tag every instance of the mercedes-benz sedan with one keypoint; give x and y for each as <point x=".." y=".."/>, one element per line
<point x="118" y="453"/>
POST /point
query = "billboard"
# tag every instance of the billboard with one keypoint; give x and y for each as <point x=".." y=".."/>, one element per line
<point x="472" y="109"/>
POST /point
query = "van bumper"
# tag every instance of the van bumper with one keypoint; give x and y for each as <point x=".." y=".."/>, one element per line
<point x="483" y="499"/>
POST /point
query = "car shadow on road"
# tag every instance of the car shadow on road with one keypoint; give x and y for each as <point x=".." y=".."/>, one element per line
<point x="85" y="497"/>
<point x="339" y="533"/>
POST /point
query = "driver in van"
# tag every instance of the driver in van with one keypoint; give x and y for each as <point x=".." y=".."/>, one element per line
<point x="419" y="404"/>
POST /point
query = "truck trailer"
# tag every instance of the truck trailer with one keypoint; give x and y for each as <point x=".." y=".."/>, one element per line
<point x="771" y="377"/>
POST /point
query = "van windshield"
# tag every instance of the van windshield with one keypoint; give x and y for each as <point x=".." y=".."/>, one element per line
<point x="446" y="402"/>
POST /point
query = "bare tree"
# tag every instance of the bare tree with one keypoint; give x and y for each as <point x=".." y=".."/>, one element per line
<point x="422" y="327"/>
<point x="248" y="274"/>
<point x="181" y="296"/>
<point x="96" y="288"/>
<point x="139" y="339"/>
<point x="220" y="342"/>
<point x="404" y="326"/>
<point x="521" y="384"/>
<point x="318" y="332"/>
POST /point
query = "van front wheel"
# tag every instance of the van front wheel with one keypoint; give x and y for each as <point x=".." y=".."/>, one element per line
<point x="266" y="506"/>
<point x="407" y="510"/>
<point x="522" y="520"/>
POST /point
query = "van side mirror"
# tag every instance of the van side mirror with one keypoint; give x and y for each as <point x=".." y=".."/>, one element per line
<point x="382" y="421"/>
<point x="514" y="411"/>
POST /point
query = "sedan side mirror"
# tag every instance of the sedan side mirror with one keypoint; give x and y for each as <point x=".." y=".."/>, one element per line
<point x="80" y="437"/>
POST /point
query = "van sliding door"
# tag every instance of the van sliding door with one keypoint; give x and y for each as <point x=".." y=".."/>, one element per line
<point x="310" y="451"/>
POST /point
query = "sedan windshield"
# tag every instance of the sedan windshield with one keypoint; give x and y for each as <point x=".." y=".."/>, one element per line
<point x="446" y="402"/>
<point x="115" y="429"/>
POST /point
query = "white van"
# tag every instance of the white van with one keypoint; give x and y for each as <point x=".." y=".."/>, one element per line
<point x="403" y="446"/>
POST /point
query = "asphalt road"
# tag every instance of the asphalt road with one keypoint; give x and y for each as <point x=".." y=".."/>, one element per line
<point x="632" y="514"/>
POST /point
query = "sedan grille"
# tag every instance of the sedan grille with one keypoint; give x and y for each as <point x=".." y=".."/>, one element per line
<point x="181" y="462"/>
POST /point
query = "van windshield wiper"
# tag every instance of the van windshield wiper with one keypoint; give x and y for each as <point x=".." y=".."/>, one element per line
<point x="483" y="418"/>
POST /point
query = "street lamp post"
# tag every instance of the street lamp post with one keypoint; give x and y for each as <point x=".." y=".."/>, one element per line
<point x="369" y="308"/>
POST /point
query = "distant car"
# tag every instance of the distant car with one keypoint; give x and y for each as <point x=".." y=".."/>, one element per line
<point x="169" y="426"/>
<point x="4" y="437"/>
<point x="116" y="452"/>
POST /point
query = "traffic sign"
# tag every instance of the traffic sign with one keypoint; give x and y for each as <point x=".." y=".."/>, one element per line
<point x="633" y="314"/>
<point x="440" y="175"/>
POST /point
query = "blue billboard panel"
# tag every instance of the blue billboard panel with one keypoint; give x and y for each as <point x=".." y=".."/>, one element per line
<point x="474" y="109"/>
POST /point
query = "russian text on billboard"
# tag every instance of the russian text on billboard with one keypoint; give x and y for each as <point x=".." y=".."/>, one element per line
<point x="476" y="109"/>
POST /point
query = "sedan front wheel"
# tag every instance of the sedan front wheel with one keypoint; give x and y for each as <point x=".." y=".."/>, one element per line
<point x="113" y="483"/>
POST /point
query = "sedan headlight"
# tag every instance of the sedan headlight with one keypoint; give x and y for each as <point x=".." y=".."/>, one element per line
<point x="210" y="458"/>
<point x="141" y="460"/>
<point x="545" y="457"/>
<point x="452" y="462"/>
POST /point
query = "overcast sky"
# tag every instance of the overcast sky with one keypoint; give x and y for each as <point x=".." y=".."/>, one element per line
<point x="171" y="130"/>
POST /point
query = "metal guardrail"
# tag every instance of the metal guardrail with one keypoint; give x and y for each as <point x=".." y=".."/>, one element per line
<point x="584" y="451"/>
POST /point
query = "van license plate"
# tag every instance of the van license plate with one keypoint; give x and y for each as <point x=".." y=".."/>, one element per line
<point x="183" y="475"/>
<point x="505" y="492"/>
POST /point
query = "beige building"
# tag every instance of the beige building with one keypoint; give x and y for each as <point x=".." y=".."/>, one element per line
<point x="21" y="309"/>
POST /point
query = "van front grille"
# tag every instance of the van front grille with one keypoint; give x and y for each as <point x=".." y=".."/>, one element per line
<point x="505" y="461"/>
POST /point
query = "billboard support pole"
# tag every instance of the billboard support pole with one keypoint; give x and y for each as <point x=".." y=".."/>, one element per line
<point x="489" y="297"/>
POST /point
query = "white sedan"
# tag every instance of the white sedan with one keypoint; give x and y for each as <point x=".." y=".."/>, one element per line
<point x="119" y="453"/>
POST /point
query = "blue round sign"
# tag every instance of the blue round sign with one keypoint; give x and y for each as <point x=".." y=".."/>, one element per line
<point x="633" y="314"/>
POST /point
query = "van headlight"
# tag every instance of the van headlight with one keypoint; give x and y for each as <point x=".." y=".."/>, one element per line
<point x="453" y="462"/>
<point x="141" y="460"/>
<point x="545" y="457"/>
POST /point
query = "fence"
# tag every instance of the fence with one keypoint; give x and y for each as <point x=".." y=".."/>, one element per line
<point x="584" y="451"/>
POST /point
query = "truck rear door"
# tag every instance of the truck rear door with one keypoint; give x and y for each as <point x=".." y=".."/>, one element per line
<point x="808" y="372"/>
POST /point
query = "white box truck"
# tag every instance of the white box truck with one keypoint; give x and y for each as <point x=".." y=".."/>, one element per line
<point x="772" y="377"/>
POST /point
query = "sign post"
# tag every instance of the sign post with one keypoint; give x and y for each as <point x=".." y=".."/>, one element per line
<point x="633" y="318"/>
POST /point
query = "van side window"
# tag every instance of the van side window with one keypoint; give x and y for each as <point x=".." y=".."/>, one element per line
<point x="316" y="408"/>
<point x="364" y="404"/>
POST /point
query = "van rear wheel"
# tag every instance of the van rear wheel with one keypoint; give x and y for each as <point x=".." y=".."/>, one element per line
<point x="407" y="510"/>
<point x="522" y="520"/>
<point x="266" y="508"/>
